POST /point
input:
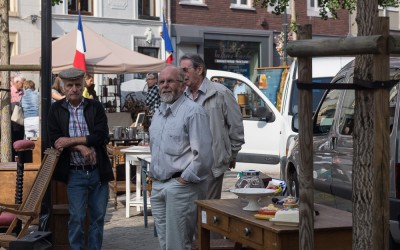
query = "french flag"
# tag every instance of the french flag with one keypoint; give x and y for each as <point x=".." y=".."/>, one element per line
<point x="79" y="59"/>
<point x="168" y="45"/>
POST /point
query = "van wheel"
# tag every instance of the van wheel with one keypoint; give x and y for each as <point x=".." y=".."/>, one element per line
<point x="293" y="184"/>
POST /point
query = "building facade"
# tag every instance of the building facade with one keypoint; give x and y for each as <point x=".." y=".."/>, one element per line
<point x="234" y="35"/>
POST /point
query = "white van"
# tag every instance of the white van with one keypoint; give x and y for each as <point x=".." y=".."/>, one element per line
<point x="262" y="121"/>
<point x="323" y="71"/>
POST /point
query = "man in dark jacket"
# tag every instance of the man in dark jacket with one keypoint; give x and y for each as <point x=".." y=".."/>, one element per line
<point x="78" y="127"/>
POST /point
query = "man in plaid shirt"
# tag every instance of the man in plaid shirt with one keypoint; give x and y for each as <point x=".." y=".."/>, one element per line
<point x="153" y="96"/>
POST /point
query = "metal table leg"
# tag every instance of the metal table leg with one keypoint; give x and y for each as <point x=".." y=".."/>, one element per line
<point x="144" y="184"/>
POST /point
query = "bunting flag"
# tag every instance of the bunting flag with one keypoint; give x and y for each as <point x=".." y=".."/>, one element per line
<point x="167" y="41"/>
<point x="79" y="59"/>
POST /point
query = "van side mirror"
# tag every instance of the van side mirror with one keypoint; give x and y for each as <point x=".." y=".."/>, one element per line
<point x="263" y="112"/>
<point x="295" y="123"/>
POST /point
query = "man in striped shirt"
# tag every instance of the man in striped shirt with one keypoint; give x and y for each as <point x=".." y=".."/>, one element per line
<point x="153" y="96"/>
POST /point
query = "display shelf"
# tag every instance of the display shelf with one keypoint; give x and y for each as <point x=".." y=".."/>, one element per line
<point x="111" y="93"/>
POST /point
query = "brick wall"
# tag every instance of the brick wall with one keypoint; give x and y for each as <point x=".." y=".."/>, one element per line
<point x="217" y="13"/>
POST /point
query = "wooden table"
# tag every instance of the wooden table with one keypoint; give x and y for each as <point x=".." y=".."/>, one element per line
<point x="332" y="227"/>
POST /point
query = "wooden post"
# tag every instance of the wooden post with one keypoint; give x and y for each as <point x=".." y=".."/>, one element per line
<point x="5" y="96"/>
<point x="381" y="158"/>
<point x="306" y="181"/>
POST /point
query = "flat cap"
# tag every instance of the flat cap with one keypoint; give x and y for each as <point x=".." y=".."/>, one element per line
<point x="71" y="74"/>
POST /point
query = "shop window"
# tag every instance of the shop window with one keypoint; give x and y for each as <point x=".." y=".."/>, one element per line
<point x="191" y="2"/>
<point x="147" y="10"/>
<point x="86" y="7"/>
<point x="149" y="51"/>
<point x="313" y="7"/>
<point x="235" y="56"/>
<point x="241" y="3"/>
<point x="314" y="3"/>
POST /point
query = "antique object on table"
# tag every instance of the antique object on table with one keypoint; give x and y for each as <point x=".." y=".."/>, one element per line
<point x="131" y="132"/>
<point x="250" y="179"/>
<point x="118" y="132"/>
<point x="252" y="195"/>
<point x="286" y="217"/>
<point x="290" y="202"/>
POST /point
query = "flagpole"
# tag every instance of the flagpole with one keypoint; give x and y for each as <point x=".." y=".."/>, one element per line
<point x="165" y="47"/>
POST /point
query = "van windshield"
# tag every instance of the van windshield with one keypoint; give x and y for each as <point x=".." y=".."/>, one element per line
<point x="317" y="95"/>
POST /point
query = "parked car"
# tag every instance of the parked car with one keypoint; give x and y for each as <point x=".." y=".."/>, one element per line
<point x="323" y="71"/>
<point x="333" y="149"/>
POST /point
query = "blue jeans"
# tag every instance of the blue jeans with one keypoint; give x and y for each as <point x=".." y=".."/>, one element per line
<point x="85" y="190"/>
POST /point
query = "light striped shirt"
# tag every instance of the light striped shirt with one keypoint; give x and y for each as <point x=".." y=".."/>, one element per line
<point x="180" y="141"/>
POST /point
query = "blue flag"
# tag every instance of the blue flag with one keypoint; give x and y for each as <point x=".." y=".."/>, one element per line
<point x="167" y="42"/>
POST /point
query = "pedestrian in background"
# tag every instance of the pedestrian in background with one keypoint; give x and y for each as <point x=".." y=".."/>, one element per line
<point x="225" y="118"/>
<point x="153" y="95"/>
<point x="78" y="127"/>
<point x="30" y="107"/>
<point x="181" y="159"/>
<point x="89" y="91"/>
<point x="17" y="130"/>
<point x="57" y="90"/>
<point x="239" y="88"/>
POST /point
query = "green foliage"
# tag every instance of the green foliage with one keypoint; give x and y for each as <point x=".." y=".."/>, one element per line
<point x="56" y="2"/>
<point x="327" y="7"/>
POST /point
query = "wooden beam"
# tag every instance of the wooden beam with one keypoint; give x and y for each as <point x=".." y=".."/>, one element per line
<point x="336" y="46"/>
<point x="30" y="67"/>
<point x="306" y="181"/>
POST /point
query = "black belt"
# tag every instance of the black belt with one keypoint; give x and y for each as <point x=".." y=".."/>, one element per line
<point x="83" y="167"/>
<point x="175" y="175"/>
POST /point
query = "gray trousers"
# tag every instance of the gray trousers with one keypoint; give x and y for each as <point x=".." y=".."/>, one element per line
<point x="175" y="213"/>
<point x="214" y="187"/>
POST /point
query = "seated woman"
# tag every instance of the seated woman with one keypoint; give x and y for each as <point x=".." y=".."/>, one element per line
<point x="30" y="106"/>
<point x="57" y="90"/>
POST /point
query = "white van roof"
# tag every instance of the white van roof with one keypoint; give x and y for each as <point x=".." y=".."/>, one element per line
<point x="320" y="69"/>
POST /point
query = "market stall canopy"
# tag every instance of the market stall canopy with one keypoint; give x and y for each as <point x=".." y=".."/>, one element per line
<point x="102" y="56"/>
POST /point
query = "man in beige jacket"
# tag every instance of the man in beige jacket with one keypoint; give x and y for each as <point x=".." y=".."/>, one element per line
<point x="225" y="118"/>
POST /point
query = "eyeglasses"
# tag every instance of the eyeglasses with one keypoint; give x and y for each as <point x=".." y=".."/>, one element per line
<point x="150" y="79"/>
<point x="168" y="81"/>
<point x="186" y="69"/>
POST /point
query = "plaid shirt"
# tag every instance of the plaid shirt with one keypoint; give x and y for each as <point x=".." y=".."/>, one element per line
<point x="153" y="98"/>
<point x="77" y="128"/>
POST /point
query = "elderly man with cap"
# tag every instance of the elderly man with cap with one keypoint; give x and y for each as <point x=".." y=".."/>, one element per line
<point x="78" y="127"/>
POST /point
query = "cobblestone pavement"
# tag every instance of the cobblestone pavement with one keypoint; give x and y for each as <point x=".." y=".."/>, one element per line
<point x="122" y="233"/>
